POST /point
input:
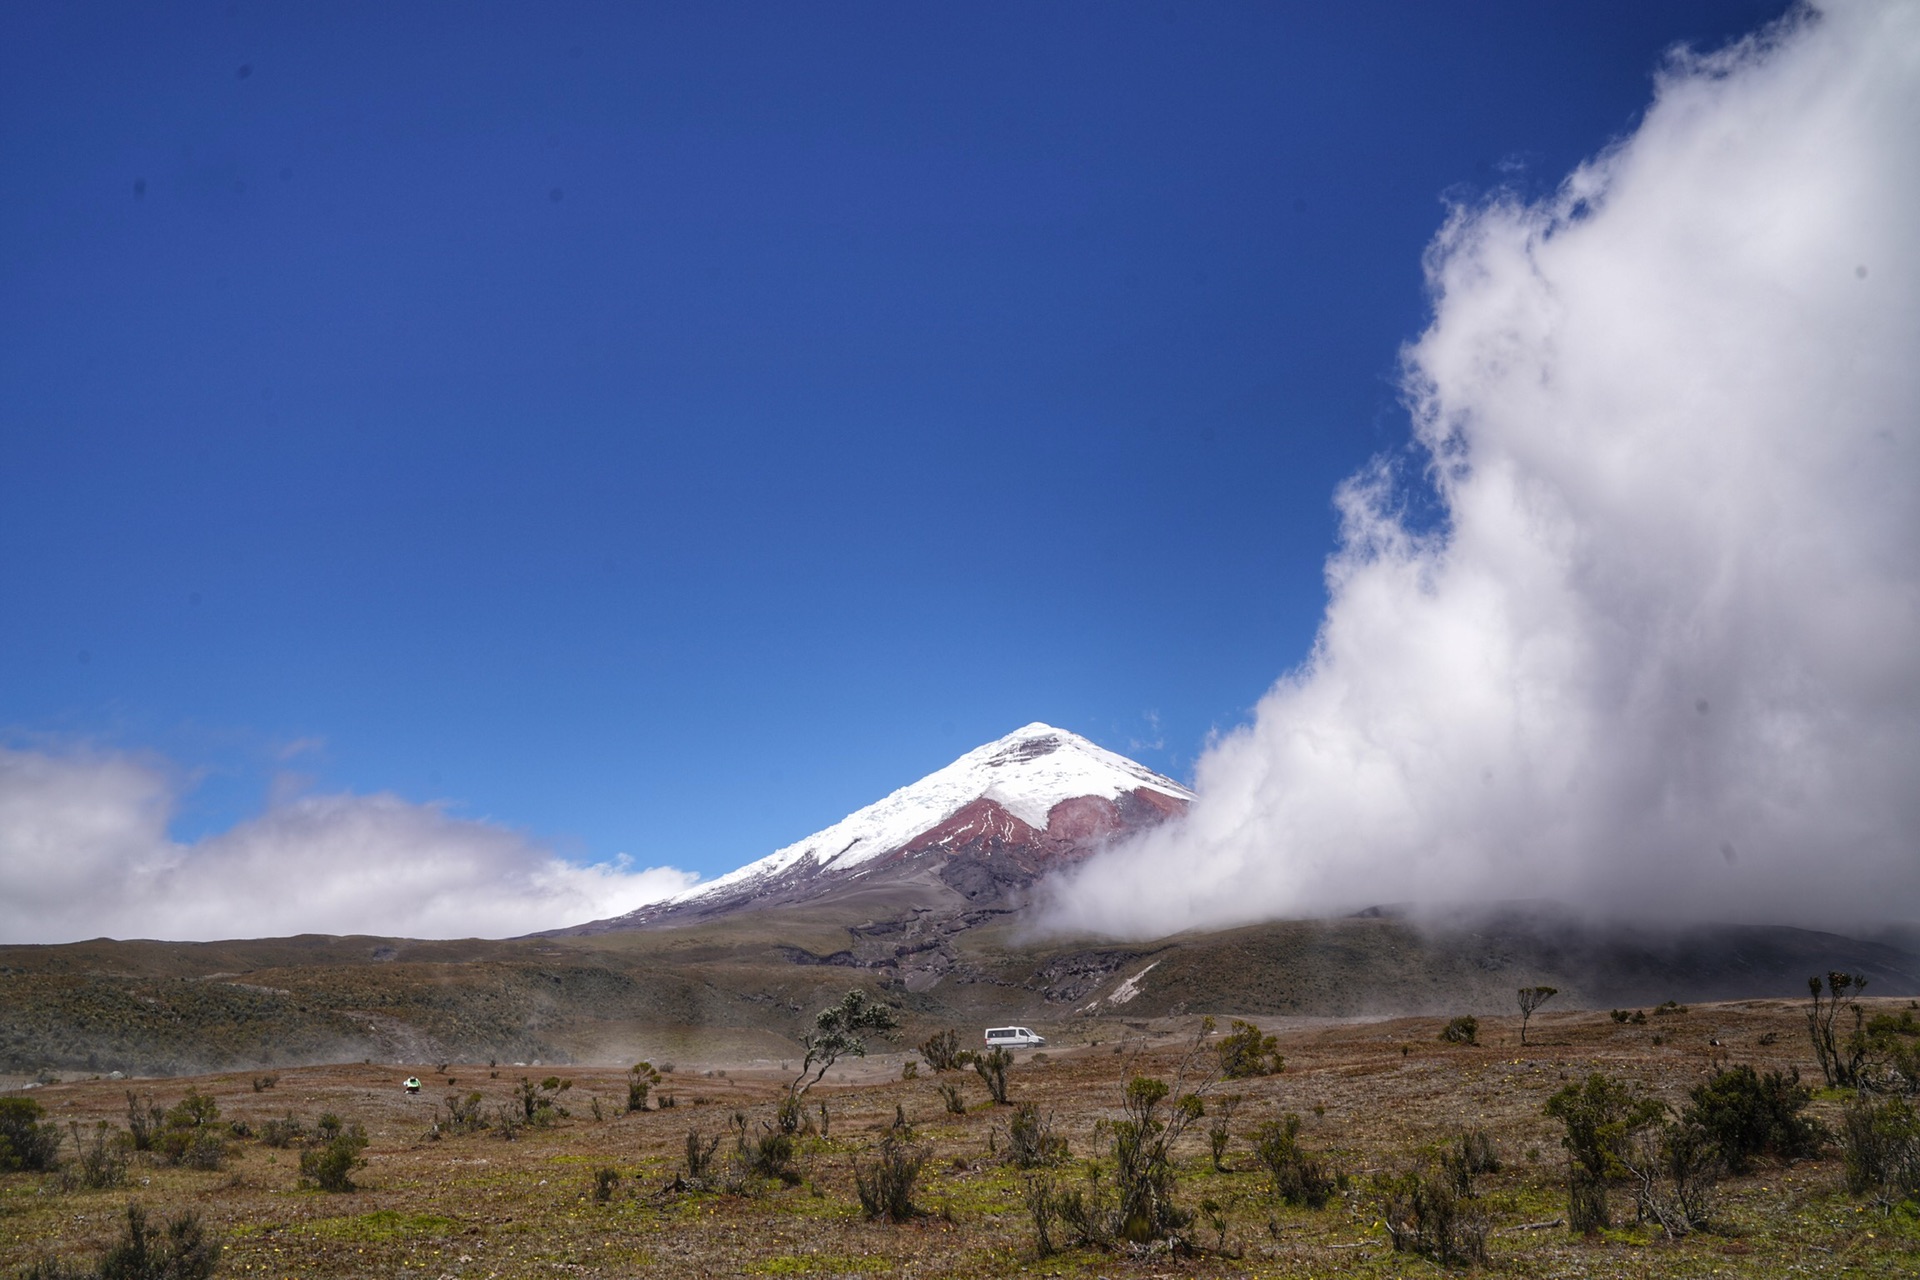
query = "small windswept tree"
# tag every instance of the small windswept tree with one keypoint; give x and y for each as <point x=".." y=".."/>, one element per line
<point x="840" y="1031"/>
<point x="1841" y="1064"/>
<point x="1245" y="1053"/>
<point x="641" y="1078"/>
<point x="1532" y="998"/>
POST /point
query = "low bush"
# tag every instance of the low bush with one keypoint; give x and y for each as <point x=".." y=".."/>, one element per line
<point x="791" y="1115"/>
<point x="1747" y="1114"/>
<point x="465" y="1114"/>
<point x="1466" y="1158"/>
<point x="605" y="1182"/>
<point x="27" y="1143"/>
<point x="1245" y="1052"/>
<point x="991" y="1067"/>
<point x="539" y="1103"/>
<point x="1893" y="1052"/>
<point x="700" y="1151"/>
<point x="182" y="1250"/>
<point x="1880" y="1141"/>
<point x="1219" y="1133"/>
<point x="1462" y="1030"/>
<point x="1043" y="1206"/>
<point x="950" y="1094"/>
<point x="281" y="1132"/>
<point x="100" y="1161"/>
<point x="1675" y="1168"/>
<point x="886" y="1184"/>
<point x="1601" y="1116"/>
<point x="942" y="1050"/>
<point x="144" y="1121"/>
<point x="1031" y="1141"/>
<point x="188" y="1135"/>
<point x="1425" y="1212"/>
<point x="641" y="1078"/>
<point x="769" y="1154"/>
<point x="1299" y="1178"/>
<point x="330" y="1166"/>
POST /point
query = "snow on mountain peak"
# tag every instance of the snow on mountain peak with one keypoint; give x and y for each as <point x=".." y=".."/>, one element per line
<point x="1026" y="773"/>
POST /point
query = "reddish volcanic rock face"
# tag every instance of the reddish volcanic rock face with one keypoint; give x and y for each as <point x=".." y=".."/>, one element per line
<point x="981" y="822"/>
<point x="987" y="851"/>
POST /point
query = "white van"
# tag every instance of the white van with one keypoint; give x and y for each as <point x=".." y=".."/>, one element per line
<point x="1013" y="1038"/>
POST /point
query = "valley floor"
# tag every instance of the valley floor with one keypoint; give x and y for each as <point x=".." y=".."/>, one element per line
<point x="1372" y="1096"/>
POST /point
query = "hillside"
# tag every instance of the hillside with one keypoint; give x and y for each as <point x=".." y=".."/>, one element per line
<point x="741" y="986"/>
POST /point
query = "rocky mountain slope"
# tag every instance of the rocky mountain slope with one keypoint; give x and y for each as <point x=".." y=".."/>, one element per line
<point x="972" y="835"/>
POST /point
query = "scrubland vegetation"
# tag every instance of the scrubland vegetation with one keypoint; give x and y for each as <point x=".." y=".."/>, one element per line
<point x="1712" y="1140"/>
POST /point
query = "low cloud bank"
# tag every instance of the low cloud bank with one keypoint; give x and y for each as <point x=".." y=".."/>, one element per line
<point x="1662" y="655"/>
<point x="84" y="852"/>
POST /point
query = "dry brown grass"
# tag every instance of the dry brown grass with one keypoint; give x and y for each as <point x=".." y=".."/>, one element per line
<point x="1371" y="1096"/>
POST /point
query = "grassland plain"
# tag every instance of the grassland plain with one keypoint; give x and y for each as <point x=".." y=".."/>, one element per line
<point x="1372" y="1097"/>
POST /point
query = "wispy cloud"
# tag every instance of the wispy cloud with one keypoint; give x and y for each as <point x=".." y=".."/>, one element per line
<point x="1662" y="654"/>
<point x="84" y="852"/>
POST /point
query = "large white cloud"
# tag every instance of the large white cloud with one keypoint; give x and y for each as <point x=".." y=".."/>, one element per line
<point x="1663" y="653"/>
<point x="84" y="852"/>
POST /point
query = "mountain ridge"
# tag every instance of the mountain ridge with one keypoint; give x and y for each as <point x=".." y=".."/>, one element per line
<point x="984" y="826"/>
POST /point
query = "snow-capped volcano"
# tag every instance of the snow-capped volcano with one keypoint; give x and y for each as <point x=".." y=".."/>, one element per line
<point x="994" y="818"/>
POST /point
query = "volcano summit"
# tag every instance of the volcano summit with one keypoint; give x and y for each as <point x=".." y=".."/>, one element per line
<point x="973" y="834"/>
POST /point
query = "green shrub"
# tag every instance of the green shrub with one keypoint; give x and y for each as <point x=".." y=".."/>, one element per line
<point x="185" y="1134"/>
<point x="885" y="1186"/>
<point x="1880" y="1140"/>
<point x="1245" y="1053"/>
<point x="100" y="1163"/>
<point x="641" y="1078"/>
<point x="1031" y="1141"/>
<point x="1464" y="1029"/>
<point x="1601" y="1117"/>
<point x="281" y="1132"/>
<point x="1427" y="1213"/>
<point x="464" y="1113"/>
<point x="991" y="1067"/>
<point x="144" y="1120"/>
<point x="942" y="1050"/>
<point x="1220" y="1131"/>
<point x="1747" y="1115"/>
<point x="1472" y="1154"/>
<point x="790" y="1116"/>
<point x="605" y="1182"/>
<point x="1675" y="1168"/>
<point x="330" y="1166"/>
<point x="182" y="1251"/>
<point x="700" y="1151"/>
<point x="1893" y="1049"/>
<point x="768" y="1154"/>
<point x="1299" y="1178"/>
<point x="27" y="1143"/>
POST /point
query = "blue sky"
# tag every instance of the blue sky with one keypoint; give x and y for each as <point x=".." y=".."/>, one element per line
<point x="663" y="429"/>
